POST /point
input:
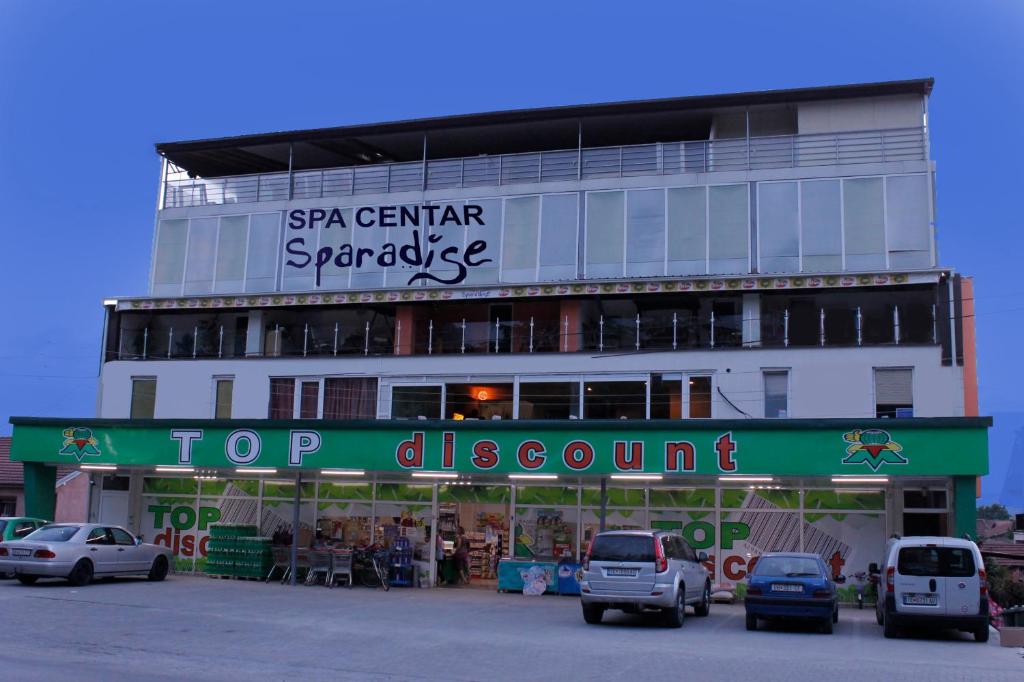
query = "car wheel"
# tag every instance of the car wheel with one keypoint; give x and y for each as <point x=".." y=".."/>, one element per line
<point x="704" y="607"/>
<point x="981" y="634"/>
<point x="827" y="626"/>
<point x="592" y="613"/>
<point x="81" y="574"/>
<point x="159" y="570"/>
<point x="675" y="615"/>
<point x="889" y="628"/>
<point x="28" y="579"/>
<point x="751" y="621"/>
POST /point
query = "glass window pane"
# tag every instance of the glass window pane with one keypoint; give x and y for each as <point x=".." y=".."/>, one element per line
<point x="331" y="275"/>
<point x="367" y="273"/>
<point x="604" y="234"/>
<point x="778" y="227"/>
<point x="169" y="261"/>
<point x="222" y="410"/>
<point x="490" y="234"/>
<point x="478" y="401"/>
<point x="231" y="243"/>
<point x="776" y="395"/>
<point x="558" y="237"/>
<point x="282" y="398"/>
<point x="687" y="231"/>
<point x="729" y="239"/>
<point x="615" y="400"/>
<point x="309" y="400"/>
<point x="202" y="242"/>
<point x="143" y="398"/>
<point x="519" y="245"/>
<point x="554" y="400"/>
<point x="700" y="397"/>
<point x="450" y="236"/>
<point x="821" y="225"/>
<point x="645" y="233"/>
<point x="261" y="260"/>
<point x="666" y="398"/>
<point x="864" y="223"/>
<point x="414" y="402"/>
<point x="354" y="398"/>
<point x="907" y="220"/>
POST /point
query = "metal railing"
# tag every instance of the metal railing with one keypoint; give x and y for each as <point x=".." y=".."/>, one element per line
<point x="662" y="158"/>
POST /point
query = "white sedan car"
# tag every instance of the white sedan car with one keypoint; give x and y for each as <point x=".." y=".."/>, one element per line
<point x="80" y="552"/>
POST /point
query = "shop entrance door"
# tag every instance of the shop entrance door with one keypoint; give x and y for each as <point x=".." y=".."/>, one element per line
<point x="113" y="508"/>
<point x="482" y="512"/>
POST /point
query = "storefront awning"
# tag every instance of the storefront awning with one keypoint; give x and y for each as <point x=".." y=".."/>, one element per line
<point x="791" y="447"/>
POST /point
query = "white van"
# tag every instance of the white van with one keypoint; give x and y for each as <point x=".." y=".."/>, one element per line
<point x="932" y="582"/>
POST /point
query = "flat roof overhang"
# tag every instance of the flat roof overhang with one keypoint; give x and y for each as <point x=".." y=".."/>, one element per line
<point x="498" y="132"/>
<point x="945" y="446"/>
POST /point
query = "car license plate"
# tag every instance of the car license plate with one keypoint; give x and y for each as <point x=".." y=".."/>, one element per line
<point x="781" y="587"/>
<point x="628" y="572"/>
<point x="921" y="599"/>
<point x="21" y="552"/>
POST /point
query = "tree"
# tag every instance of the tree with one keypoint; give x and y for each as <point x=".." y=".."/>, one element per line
<point x="993" y="512"/>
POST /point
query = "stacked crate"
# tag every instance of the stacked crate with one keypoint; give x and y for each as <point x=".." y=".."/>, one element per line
<point x="234" y="550"/>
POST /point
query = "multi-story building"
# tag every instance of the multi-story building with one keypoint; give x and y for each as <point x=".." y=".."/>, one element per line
<point x="724" y="314"/>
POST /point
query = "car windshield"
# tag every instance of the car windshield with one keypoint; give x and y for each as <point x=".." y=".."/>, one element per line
<point x="788" y="566"/>
<point x="622" y="548"/>
<point x="53" y="534"/>
<point x="947" y="562"/>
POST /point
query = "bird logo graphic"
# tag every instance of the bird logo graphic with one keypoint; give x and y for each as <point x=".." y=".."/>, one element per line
<point x="873" y="447"/>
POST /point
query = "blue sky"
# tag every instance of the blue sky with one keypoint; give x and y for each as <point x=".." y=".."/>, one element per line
<point x="87" y="88"/>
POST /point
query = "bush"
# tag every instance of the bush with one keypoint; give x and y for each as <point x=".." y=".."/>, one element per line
<point x="1005" y="590"/>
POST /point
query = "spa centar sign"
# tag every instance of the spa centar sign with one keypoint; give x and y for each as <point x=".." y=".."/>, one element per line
<point x="715" y="447"/>
<point x="407" y="237"/>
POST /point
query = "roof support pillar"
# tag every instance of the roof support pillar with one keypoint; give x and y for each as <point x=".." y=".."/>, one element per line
<point x="40" y="490"/>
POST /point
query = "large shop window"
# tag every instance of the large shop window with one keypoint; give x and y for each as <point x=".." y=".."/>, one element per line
<point x="415" y="402"/>
<point x="894" y="393"/>
<point x="615" y="400"/>
<point x="549" y="400"/>
<point x="143" y="398"/>
<point x="776" y="394"/>
<point x="354" y="398"/>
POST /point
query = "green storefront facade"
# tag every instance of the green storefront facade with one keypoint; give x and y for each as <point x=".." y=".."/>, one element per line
<point x="734" y="487"/>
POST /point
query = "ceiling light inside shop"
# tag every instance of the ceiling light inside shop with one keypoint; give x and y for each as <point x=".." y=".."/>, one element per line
<point x="860" y="479"/>
<point x="637" y="477"/>
<point x="746" y="479"/>
<point x="342" y="472"/>
<point x="433" y="474"/>
<point x="535" y="477"/>
<point x="98" y="467"/>
<point x="255" y="470"/>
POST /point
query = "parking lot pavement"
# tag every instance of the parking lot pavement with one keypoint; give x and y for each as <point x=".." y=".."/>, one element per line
<point x="199" y="628"/>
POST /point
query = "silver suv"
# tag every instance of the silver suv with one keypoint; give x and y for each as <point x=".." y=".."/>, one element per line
<point x="644" y="570"/>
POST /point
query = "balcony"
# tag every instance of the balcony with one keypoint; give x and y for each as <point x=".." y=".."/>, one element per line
<point x="663" y="158"/>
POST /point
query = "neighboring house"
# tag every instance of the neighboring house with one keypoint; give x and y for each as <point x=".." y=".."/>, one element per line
<point x="72" y="488"/>
<point x="1008" y="554"/>
<point x="988" y="529"/>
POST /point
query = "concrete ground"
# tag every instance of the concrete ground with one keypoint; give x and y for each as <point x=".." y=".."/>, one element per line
<point x="198" y="628"/>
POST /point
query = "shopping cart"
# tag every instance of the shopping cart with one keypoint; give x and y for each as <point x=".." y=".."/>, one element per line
<point x="319" y="565"/>
<point x="341" y="565"/>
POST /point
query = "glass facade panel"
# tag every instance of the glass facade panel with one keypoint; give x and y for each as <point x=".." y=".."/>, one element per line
<point x="549" y="400"/>
<point x="908" y="221"/>
<point x="605" y="234"/>
<point x="478" y="401"/>
<point x="143" y="399"/>
<point x="778" y="227"/>
<point x="169" y="260"/>
<point x="232" y="242"/>
<point x="261" y="261"/>
<point x="821" y="225"/>
<point x="645" y="232"/>
<point x="728" y="233"/>
<point x="490" y="233"/>
<point x="202" y="246"/>
<point x="282" y="398"/>
<point x="559" y="216"/>
<point x="519" y="250"/>
<point x="415" y="402"/>
<point x="687" y="231"/>
<point x="615" y="400"/>
<point x="864" y="223"/>
<point x="333" y="276"/>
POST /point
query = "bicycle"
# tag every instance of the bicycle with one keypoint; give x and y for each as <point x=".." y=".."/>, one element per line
<point x="382" y="566"/>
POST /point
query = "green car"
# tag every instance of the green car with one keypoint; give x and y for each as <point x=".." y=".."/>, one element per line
<point x="16" y="528"/>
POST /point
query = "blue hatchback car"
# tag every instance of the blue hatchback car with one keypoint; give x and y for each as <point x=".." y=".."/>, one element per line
<point x="791" y="585"/>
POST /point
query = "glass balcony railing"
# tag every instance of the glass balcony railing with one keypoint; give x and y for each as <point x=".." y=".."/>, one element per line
<point x="662" y="158"/>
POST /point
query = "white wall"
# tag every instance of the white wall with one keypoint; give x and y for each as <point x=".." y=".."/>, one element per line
<point x="869" y="113"/>
<point x="824" y="382"/>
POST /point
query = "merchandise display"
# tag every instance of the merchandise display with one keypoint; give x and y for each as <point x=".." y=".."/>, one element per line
<point x="236" y="550"/>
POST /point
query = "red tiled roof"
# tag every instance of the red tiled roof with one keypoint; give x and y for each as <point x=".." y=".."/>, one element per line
<point x="12" y="473"/>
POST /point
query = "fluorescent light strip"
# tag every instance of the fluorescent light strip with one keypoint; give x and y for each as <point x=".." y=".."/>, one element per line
<point x="535" y="477"/>
<point x="175" y="470"/>
<point x="342" y="472"/>
<point x="432" y="474"/>
<point x="255" y="470"/>
<point x="745" y="479"/>
<point x="98" y="467"/>
<point x="637" y="477"/>
<point x="860" y="479"/>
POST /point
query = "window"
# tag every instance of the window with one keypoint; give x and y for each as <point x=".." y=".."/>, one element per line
<point x="699" y="406"/>
<point x="947" y="562"/>
<point x="666" y="397"/>
<point x="622" y="548"/>
<point x="414" y="402"/>
<point x="22" y="529"/>
<point x="58" y="533"/>
<point x="776" y="395"/>
<point x="554" y="400"/>
<point x="864" y="223"/>
<point x="98" y="536"/>
<point x="615" y="400"/>
<point x="121" y="537"/>
<point x="519" y="245"/>
<point x="309" y="400"/>
<point x="778" y="227"/>
<point x="894" y="393"/>
<point x="112" y="482"/>
<point x="7" y="508"/>
<point x="143" y="398"/>
<point x="925" y="498"/>
<point x="222" y="399"/>
<point x="728" y="234"/>
<point x="478" y="401"/>
<point x="354" y="398"/>
<point x="605" y="234"/>
<point x="282" y="398"/>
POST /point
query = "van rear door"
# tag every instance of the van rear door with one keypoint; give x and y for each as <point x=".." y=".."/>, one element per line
<point x="622" y="563"/>
<point x="963" y="586"/>
<point x="919" y="584"/>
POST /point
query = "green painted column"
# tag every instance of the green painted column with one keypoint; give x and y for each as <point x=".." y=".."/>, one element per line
<point x="40" y="490"/>
<point x="965" y="507"/>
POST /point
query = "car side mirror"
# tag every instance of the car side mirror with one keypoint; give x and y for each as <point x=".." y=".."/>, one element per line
<point x="702" y="557"/>
<point x="873" y="569"/>
<point x="138" y="540"/>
